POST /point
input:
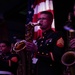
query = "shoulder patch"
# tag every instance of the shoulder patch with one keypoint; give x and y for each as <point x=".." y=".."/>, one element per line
<point x="60" y="42"/>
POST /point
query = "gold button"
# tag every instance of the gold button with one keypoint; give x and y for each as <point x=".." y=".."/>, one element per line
<point x="42" y="41"/>
<point x="42" y="52"/>
<point x="46" y="53"/>
<point x="45" y="33"/>
<point x="47" y="44"/>
<point x="43" y="37"/>
<point x="40" y="44"/>
<point x="50" y="64"/>
<point x="38" y="52"/>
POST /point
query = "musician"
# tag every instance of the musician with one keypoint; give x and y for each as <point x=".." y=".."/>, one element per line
<point x="8" y="60"/>
<point x="49" y="48"/>
<point x="70" y="29"/>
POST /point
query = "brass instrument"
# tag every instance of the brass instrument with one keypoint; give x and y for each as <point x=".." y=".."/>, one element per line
<point x="68" y="58"/>
<point x="21" y="46"/>
<point x="29" y="33"/>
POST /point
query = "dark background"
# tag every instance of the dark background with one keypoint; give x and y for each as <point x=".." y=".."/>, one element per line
<point x="61" y="10"/>
<point x="13" y="17"/>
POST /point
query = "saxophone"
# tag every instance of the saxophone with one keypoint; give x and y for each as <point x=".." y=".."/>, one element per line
<point x="29" y="34"/>
<point x="68" y="58"/>
<point x="21" y="46"/>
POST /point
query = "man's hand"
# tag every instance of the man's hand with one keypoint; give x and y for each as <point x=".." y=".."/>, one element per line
<point x="31" y="46"/>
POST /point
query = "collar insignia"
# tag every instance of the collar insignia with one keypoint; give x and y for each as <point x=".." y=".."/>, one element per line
<point x="49" y="40"/>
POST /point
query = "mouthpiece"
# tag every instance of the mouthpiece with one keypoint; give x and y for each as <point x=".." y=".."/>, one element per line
<point x="33" y="24"/>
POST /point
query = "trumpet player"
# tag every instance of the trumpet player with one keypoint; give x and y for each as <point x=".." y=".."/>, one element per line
<point x="49" y="48"/>
<point x="8" y="61"/>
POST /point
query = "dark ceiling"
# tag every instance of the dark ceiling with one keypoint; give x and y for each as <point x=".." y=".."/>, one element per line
<point x="12" y="9"/>
<point x="16" y="9"/>
<point x="13" y="13"/>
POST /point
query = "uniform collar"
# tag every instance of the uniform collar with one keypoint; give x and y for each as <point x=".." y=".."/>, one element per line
<point x="47" y="31"/>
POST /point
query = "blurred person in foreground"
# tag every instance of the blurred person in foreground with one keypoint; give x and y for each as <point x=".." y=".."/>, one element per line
<point x="49" y="48"/>
<point x="8" y="60"/>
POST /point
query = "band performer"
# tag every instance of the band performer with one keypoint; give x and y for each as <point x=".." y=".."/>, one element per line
<point x="49" y="48"/>
<point x="8" y="60"/>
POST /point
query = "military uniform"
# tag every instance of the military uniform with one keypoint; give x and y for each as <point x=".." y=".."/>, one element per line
<point x="50" y="50"/>
<point x="7" y="63"/>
